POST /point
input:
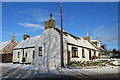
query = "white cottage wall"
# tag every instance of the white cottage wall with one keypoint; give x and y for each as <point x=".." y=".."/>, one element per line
<point x="28" y="59"/>
<point x="15" y="55"/>
<point x="80" y="53"/>
<point x="92" y="53"/>
<point x="51" y="50"/>
<point x="97" y="53"/>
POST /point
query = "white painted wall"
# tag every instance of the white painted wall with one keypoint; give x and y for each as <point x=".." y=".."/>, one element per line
<point x="15" y="55"/>
<point x="80" y="54"/>
<point x="51" y="50"/>
<point x="29" y="57"/>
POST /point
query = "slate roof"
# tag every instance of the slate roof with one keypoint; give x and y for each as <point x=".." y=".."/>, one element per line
<point x="29" y="42"/>
<point x="70" y="38"/>
<point x="5" y="45"/>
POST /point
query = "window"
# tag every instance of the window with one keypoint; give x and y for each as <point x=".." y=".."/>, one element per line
<point x="40" y="51"/>
<point x="26" y="55"/>
<point x="94" y="53"/>
<point x="55" y="38"/>
<point x="83" y="53"/>
<point x="33" y="54"/>
<point x="18" y="54"/>
<point x="74" y="52"/>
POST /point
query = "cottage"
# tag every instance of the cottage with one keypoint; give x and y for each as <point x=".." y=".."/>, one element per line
<point x="6" y="50"/>
<point x="25" y="49"/>
<point x="45" y="50"/>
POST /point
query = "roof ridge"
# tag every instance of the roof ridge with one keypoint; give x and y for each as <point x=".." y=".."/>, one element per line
<point x="69" y="33"/>
<point x="6" y="45"/>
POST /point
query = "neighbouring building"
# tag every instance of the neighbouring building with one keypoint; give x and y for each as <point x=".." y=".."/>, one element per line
<point x="45" y="50"/>
<point x="97" y="43"/>
<point x="6" y="50"/>
<point x="102" y="47"/>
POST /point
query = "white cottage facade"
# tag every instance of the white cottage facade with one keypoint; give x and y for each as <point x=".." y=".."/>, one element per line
<point x="45" y="50"/>
<point x="25" y="49"/>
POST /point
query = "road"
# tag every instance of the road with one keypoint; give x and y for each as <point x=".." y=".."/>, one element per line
<point x="8" y="72"/>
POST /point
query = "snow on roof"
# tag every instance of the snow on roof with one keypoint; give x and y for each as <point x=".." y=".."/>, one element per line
<point x="29" y="42"/>
<point x="79" y="42"/>
<point x="76" y="40"/>
<point x="94" y="40"/>
<point x="4" y="44"/>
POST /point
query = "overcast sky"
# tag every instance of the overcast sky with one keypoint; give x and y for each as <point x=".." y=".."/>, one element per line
<point x="100" y="19"/>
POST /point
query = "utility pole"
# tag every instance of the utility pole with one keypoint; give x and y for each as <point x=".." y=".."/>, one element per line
<point x="62" y="65"/>
<point x="83" y="30"/>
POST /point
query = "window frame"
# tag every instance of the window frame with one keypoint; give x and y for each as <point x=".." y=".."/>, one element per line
<point x="75" y="52"/>
<point x="33" y="54"/>
<point x="94" y="53"/>
<point x="40" y="51"/>
<point x="26" y="55"/>
<point x="18" y="54"/>
<point x="83" y="53"/>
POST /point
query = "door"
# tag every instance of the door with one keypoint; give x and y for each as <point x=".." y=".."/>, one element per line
<point x="68" y="58"/>
<point x="89" y="54"/>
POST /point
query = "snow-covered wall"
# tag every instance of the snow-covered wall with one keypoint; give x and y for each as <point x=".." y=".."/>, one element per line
<point x="51" y="50"/>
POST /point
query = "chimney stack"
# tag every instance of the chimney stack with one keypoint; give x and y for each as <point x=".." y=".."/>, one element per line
<point x="25" y="37"/>
<point x="50" y="23"/>
<point x="86" y="37"/>
<point x="13" y="38"/>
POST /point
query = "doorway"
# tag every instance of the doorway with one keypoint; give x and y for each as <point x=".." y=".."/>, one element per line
<point x="68" y="58"/>
<point x="89" y="54"/>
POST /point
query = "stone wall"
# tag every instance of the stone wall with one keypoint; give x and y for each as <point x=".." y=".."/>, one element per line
<point x="6" y="58"/>
<point x="7" y="53"/>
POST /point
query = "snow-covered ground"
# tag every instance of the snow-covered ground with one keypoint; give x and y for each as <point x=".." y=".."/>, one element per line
<point x="24" y="71"/>
<point x="108" y="69"/>
<point x="23" y="66"/>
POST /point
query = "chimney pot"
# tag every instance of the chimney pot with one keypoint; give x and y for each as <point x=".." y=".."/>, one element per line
<point x="87" y="33"/>
<point x="50" y="16"/>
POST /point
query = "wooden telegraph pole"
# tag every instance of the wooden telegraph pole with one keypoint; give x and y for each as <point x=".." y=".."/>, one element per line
<point x="83" y="30"/>
<point x="62" y="65"/>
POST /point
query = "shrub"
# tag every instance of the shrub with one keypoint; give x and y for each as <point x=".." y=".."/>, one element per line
<point x="23" y="59"/>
